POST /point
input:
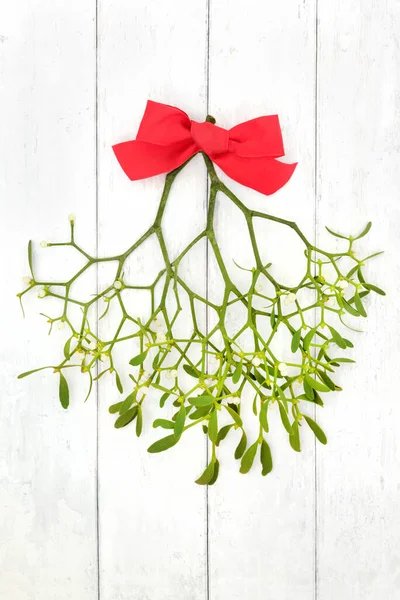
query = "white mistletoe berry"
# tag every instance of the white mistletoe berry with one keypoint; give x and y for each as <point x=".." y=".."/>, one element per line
<point x="161" y="337"/>
<point x="43" y="244"/>
<point x="289" y="299"/>
<point x="71" y="217"/>
<point x="171" y="374"/>
<point x="118" y="284"/>
<point x="42" y="293"/>
<point x="27" y="280"/>
<point x="256" y="361"/>
<point x="331" y="302"/>
<point x="343" y="284"/>
<point x="284" y="369"/>
<point x="60" y="325"/>
<point x="259" y="287"/>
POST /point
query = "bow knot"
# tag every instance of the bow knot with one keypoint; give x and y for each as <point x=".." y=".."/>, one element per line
<point x="167" y="138"/>
<point x="210" y="138"/>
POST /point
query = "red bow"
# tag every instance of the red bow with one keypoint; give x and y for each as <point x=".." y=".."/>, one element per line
<point x="246" y="153"/>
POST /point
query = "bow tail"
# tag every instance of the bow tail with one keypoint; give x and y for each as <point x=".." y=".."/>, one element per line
<point x="140" y="160"/>
<point x="263" y="174"/>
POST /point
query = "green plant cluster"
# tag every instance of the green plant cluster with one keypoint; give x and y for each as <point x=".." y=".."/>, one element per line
<point x="207" y="375"/>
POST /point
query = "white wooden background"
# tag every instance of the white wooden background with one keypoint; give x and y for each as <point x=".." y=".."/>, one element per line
<point x="85" y="512"/>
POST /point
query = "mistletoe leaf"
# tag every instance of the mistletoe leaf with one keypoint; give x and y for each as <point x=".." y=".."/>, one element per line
<point x="126" y="418"/>
<point x="118" y="382"/>
<point x="222" y="433"/>
<point x="163" y="444"/>
<point x="266" y="458"/>
<point x="207" y="474"/>
<point x="284" y="418"/>
<point x="364" y="231"/>
<point x="27" y="373"/>
<point x="139" y="421"/>
<point x="192" y="371"/>
<point x="319" y="434"/>
<point x="296" y="340"/>
<point x="294" y="438"/>
<point x="241" y="447"/>
<point x="315" y="384"/>
<point x="138" y="360"/>
<point x="374" y="288"/>
<point x="213" y="427"/>
<point x="238" y="372"/>
<point x="63" y="391"/>
<point x="248" y="458"/>
<point x="235" y="416"/>
<point x="164" y="424"/>
<point x="30" y="261"/>
<point x="201" y="400"/>
<point x="180" y="421"/>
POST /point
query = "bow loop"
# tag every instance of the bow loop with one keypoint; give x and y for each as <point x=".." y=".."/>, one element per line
<point x="167" y="138"/>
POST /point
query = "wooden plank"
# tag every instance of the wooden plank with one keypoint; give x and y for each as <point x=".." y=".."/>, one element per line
<point x="262" y="529"/>
<point x="152" y="515"/>
<point x="358" y="483"/>
<point x="47" y="150"/>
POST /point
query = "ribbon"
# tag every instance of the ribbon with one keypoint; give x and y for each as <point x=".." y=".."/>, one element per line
<point x="167" y="138"/>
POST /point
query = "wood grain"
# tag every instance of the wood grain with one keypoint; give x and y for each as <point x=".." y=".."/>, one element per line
<point x="85" y="511"/>
<point x="47" y="163"/>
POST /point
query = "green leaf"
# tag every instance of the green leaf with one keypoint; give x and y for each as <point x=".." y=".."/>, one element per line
<point x="164" y="424"/>
<point x="284" y="418"/>
<point x="118" y="382"/>
<point x="327" y="380"/>
<point x="67" y="348"/>
<point x="352" y="311"/>
<point x="308" y="338"/>
<point x="30" y="257"/>
<point x="127" y="403"/>
<point x="27" y="373"/>
<point x="114" y="408"/>
<point x="315" y="384"/>
<point x="241" y="447"/>
<point x="296" y="340"/>
<point x="374" y="288"/>
<point x="126" y="418"/>
<point x="342" y="360"/>
<point x="164" y="398"/>
<point x="294" y="438"/>
<point x="207" y="475"/>
<point x="222" y="433"/>
<point x="180" y="421"/>
<point x="163" y="444"/>
<point x="139" y="420"/>
<point x="319" y="434"/>
<point x="337" y="338"/>
<point x="138" y="360"/>
<point x="201" y="400"/>
<point x="248" y="458"/>
<point x="263" y="416"/>
<point x="213" y="427"/>
<point x="63" y="391"/>
<point x="338" y="235"/>
<point x="348" y="343"/>
<point x="266" y="458"/>
<point x="191" y="371"/>
<point x="216" y="471"/>
<point x="238" y="372"/>
<point x="234" y="416"/>
<point x="200" y="412"/>
<point x="309" y="392"/>
<point x="359" y="305"/>
<point x="272" y="317"/>
<point x="365" y="231"/>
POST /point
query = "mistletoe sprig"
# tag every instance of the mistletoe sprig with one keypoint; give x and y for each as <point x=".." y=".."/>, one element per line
<point x="204" y="378"/>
